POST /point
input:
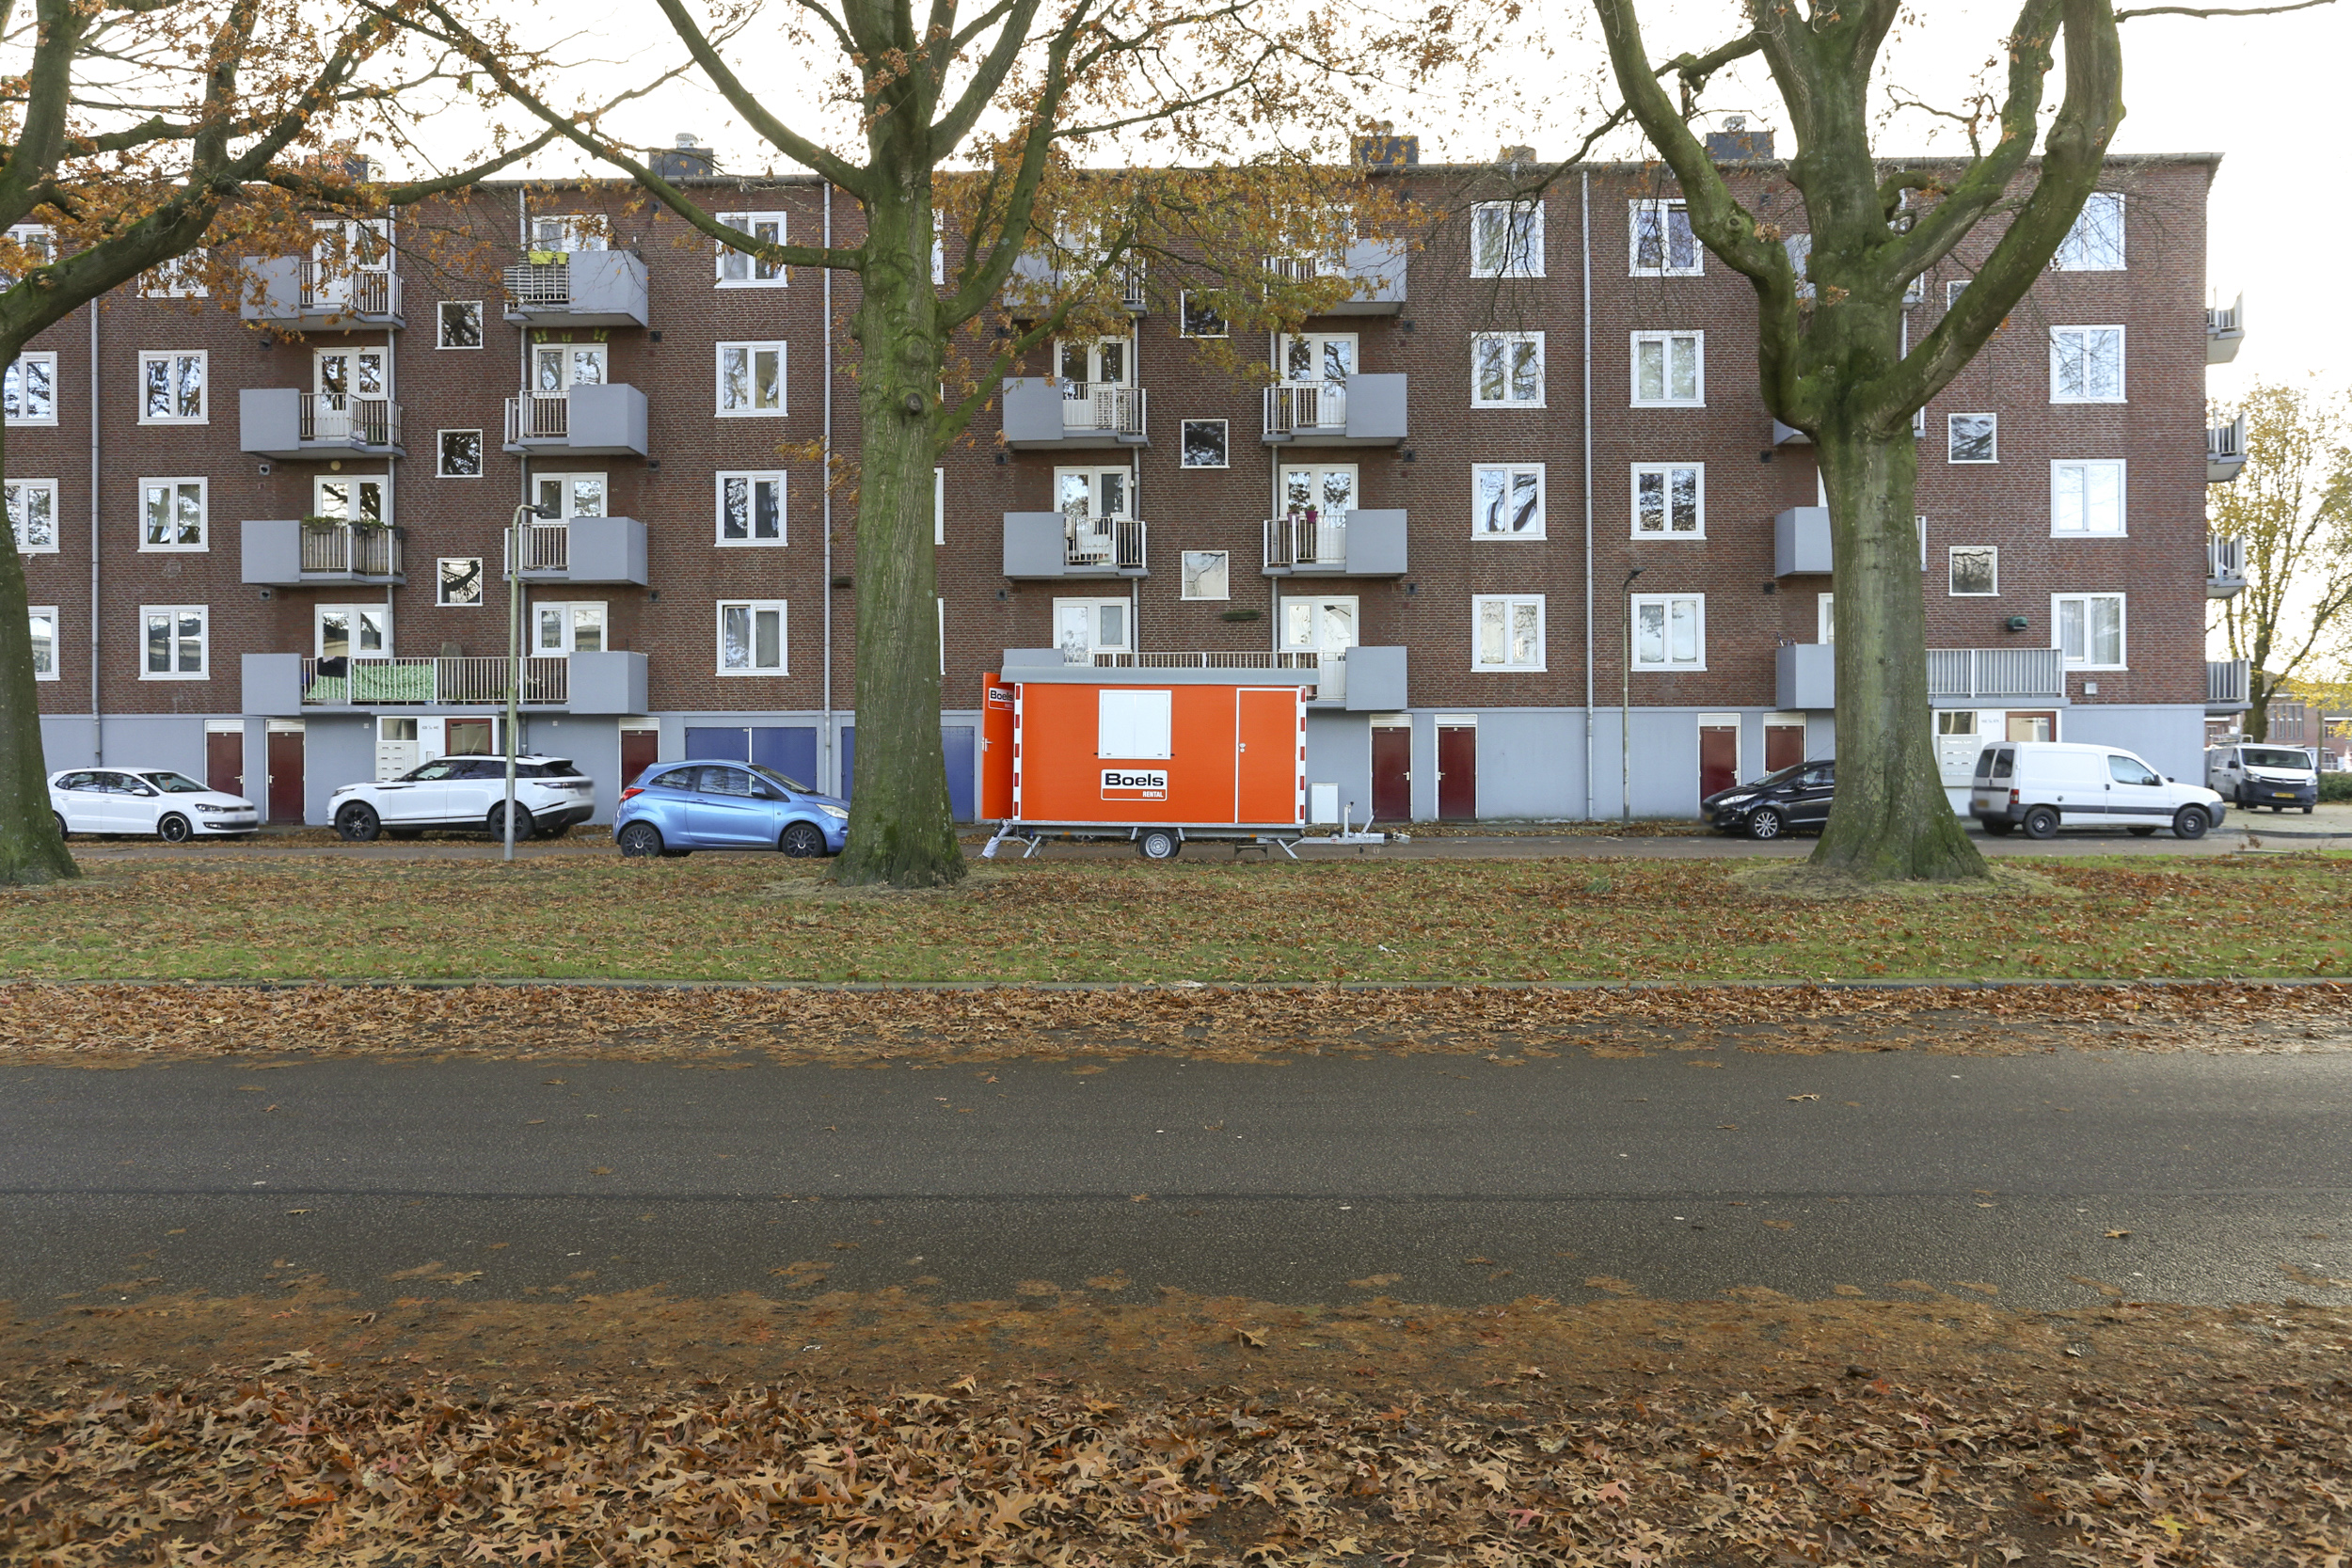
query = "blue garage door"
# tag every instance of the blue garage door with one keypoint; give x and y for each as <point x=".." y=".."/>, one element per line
<point x="957" y="740"/>
<point x="789" y="749"/>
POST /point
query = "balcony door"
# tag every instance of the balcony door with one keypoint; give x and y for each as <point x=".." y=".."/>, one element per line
<point x="344" y="247"/>
<point x="1093" y="502"/>
<point x="559" y="367"/>
<point x="569" y="495"/>
<point x="1317" y="499"/>
<point x="1325" y="625"/>
<point x="1102" y="362"/>
<point x="352" y="499"/>
<point x="342" y="373"/>
<point x="567" y="628"/>
<point x="1087" y="627"/>
<point x="348" y="631"/>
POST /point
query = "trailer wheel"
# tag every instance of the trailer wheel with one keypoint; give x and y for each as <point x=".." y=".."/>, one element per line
<point x="1159" y="843"/>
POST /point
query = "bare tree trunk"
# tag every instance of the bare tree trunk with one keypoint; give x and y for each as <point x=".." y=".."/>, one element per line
<point x="32" y="851"/>
<point x="1892" y="819"/>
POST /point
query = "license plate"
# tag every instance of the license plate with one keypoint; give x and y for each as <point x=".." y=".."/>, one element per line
<point x="2283" y="793"/>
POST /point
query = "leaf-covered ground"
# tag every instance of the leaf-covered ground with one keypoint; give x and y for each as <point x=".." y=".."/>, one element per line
<point x="756" y="918"/>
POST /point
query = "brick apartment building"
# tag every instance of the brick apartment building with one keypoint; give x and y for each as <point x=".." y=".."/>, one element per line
<point x="1461" y="468"/>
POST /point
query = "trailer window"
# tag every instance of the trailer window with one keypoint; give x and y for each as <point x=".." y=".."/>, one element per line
<point x="1133" y="725"/>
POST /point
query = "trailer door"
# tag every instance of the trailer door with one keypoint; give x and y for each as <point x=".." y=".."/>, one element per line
<point x="1267" y="765"/>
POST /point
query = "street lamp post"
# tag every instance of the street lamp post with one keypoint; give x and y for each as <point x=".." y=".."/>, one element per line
<point x="1625" y="708"/>
<point x="514" y="650"/>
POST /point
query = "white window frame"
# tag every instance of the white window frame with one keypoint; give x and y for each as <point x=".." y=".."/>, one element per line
<point x="751" y="349"/>
<point x="14" y="495"/>
<point x="754" y="608"/>
<point x="570" y="626"/>
<point x="12" y="391"/>
<point x="1183" y="318"/>
<point x="1509" y="471"/>
<point x="441" y="326"/>
<point x="939" y="512"/>
<point x="318" y="627"/>
<point x="440" y="454"/>
<point x="179" y="356"/>
<point x="34" y="615"/>
<point x="1183" y="449"/>
<point x="2122" y="630"/>
<point x="1667" y="601"/>
<point x="752" y="478"/>
<point x="1094" y="606"/>
<point x="1145" y="718"/>
<point x="1509" y="601"/>
<point x="179" y="276"/>
<point x="1505" y="343"/>
<point x="1951" y="435"/>
<point x="1185" y="574"/>
<point x="2122" y="498"/>
<point x="779" y="279"/>
<point x="2075" y="253"/>
<point x="572" y="228"/>
<point x="1952" y="568"/>
<point x="1669" y="469"/>
<point x="1662" y="207"/>
<point x="204" y="513"/>
<point x="441" y="583"/>
<point x="1698" y="371"/>
<point x="37" y="239"/>
<point x="204" y="641"/>
<point x="1524" y="249"/>
<point x="2122" y="379"/>
<point x="353" y="481"/>
<point x="570" y="503"/>
<point x="1825" y="619"/>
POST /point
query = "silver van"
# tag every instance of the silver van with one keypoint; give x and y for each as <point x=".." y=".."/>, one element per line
<point x="2043" y="785"/>
<point x="2253" y="774"/>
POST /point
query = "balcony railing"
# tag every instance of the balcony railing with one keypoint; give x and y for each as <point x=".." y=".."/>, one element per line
<point x="2228" y="682"/>
<point x="340" y="419"/>
<point x="364" y="293"/>
<point x="2225" y="450"/>
<point x="1105" y="544"/>
<point x="539" y="417"/>
<point x="1102" y="405"/>
<point x="1237" y="659"/>
<point x="472" y="680"/>
<point x="361" y="553"/>
<point x="1304" y="540"/>
<point x="540" y="285"/>
<point x="2225" y="566"/>
<point x="1295" y="406"/>
<point x="547" y="548"/>
<point x="2224" y="329"/>
<point x="2039" y="672"/>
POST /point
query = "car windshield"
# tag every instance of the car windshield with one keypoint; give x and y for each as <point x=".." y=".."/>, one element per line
<point x="774" y="777"/>
<point x="2277" y="756"/>
<point x="1785" y="775"/>
<point x="175" y="783"/>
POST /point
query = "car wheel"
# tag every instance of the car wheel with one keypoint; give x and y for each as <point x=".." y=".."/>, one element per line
<point x="524" y="826"/>
<point x="2307" y="810"/>
<point x="802" y="840"/>
<point x="1159" y="843"/>
<point x="1998" y="826"/>
<point x="174" y="829"/>
<point x="2042" y="822"/>
<point x="1766" y="822"/>
<point x="359" y="823"/>
<point x="2190" y="822"/>
<point x="641" y="839"/>
<point x="2142" y="833"/>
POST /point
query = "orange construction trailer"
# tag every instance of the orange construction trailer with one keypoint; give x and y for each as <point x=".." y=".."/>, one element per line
<point x="1158" y="755"/>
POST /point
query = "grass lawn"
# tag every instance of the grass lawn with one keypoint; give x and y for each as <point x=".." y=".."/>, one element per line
<point x="760" y="918"/>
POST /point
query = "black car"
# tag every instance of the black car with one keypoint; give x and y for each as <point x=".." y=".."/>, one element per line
<point x="1792" y="799"/>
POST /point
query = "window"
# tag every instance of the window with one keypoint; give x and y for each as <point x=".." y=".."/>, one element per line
<point x="460" y="324"/>
<point x="1507" y="631"/>
<point x="570" y="495"/>
<point x="171" y="387"/>
<point x="1083" y="626"/>
<point x="1198" y="318"/>
<point x="1135" y="726"/>
<point x="751" y="507"/>
<point x="33" y="514"/>
<point x="1508" y="501"/>
<point x="1205" y="443"/>
<point x="44" y="627"/>
<point x="179" y="277"/>
<point x="1976" y="571"/>
<point x="351" y="630"/>
<point x="352" y="499"/>
<point x="173" y="510"/>
<point x="750" y="637"/>
<point x="37" y="241"/>
<point x="751" y="380"/>
<point x="939" y="509"/>
<point x="1799" y="248"/>
<point x="1206" y="574"/>
<point x="177" y="642"/>
<point x="567" y="628"/>
<point x="740" y="269"/>
<point x="2087" y="497"/>
<point x="461" y="454"/>
<point x="561" y="367"/>
<point x="459" y="582"/>
<point x="28" y="389"/>
<point x="1670" y="631"/>
<point x="1669" y="369"/>
<point x="2085" y="364"/>
<point x="567" y="231"/>
<point x="2089" y="627"/>
<point x="1669" y="500"/>
<point x="1507" y="239"/>
<point x="1971" y="439"/>
<point x="1662" y="245"/>
<point x="2095" y="244"/>
<point x="1953" y="290"/>
<point x="1507" y="370"/>
<point x="1825" y="618"/>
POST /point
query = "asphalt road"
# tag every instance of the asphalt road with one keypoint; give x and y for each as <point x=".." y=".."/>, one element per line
<point x="1434" y="1179"/>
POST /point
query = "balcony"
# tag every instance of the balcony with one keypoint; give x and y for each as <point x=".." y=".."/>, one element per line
<point x="1361" y="411"/>
<point x="2225" y="450"/>
<point x="2229" y="685"/>
<point x="1375" y="267"/>
<point x="1801" y="542"/>
<point x="1806" y="677"/>
<point x="282" y="421"/>
<point x="287" y="686"/>
<point x="1359" y="542"/>
<point x="291" y="292"/>
<point x="587" y="288"/>
<point x="1036" y="285"/>
<point x="1054" y="545"/>
<point x="583" y="549"/>
<point x="291" y="553"/>
<point x="2224" y="329"/>
<point x="1360" y="680"/>
<point x="1048" y="414"/>
<point x="589" y="420"/>
<point x="2225" y="568"/>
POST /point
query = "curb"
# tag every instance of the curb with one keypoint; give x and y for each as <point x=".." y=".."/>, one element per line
<point x="881" y="987"/>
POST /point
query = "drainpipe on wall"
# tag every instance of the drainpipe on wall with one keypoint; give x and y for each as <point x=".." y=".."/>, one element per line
<point x="97" y="722"/>
<point x="1585" y="183"/>
<point x="522" y="463"/>
<point x="824" y="485"/>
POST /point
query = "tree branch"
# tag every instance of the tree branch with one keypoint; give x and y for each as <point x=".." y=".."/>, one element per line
<point x="2191" y="10"/>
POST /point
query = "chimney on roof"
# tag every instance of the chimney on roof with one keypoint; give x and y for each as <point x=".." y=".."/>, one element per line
<point x="1386" y="150"/>
<point x="688" y="160"/>
<point x="1736" y="144"/>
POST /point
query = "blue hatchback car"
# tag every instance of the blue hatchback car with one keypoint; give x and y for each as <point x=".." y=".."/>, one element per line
<point x="675" y="808"/>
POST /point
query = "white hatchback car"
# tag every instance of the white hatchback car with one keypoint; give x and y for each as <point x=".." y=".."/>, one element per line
<point x="171" y="805"/>
<point x="466" y="793"/>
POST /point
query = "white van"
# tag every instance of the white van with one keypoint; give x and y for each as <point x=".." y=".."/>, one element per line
<point x="2043" y="785"/>
<point x="2254" y="775"/>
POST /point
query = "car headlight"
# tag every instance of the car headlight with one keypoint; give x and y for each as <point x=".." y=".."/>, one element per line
<point x="835" y="811"/>
<point x="220" y="810"/>
<point x="1735" y="800"/>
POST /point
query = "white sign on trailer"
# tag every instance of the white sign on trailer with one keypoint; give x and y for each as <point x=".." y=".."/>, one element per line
<point x="1135" y="783"/>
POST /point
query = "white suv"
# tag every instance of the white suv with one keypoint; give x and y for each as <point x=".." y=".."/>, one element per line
<point x="468" y="794"/>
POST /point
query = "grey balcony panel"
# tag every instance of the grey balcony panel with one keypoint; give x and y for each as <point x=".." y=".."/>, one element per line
<point x="1801" y="541"/>
<point x="1020" y="659"/>
<point x="591" y="288"/>
<point x="1806" y="676"/>
<point x="608" y="682"/>
<point x="269" y="421"/>
<point x="272" y="287"/>
<point x="1783" y="433"/>
<point x="1375" y="544"/>
<point x="288" y="291"/>
<point x="1033" y="412"/>
<point x="273" y="684"/>
<point x="1375" y="409"/>
<point x="271" y="553"/>
<point x="1375" y="677"/>
<point x="588" y="421"/>
<point x="289" y="553"/>
<point x="606" y="549"/>
<point x="287" y="423"/>
<point x="1378" y="269"/>
<point x="1036" y="544"/>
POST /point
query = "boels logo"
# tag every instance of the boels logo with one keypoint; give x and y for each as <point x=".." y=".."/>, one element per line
<point x="1135" y="783"/>
<point x="1000" y="696"/>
